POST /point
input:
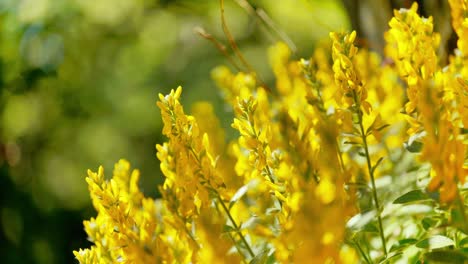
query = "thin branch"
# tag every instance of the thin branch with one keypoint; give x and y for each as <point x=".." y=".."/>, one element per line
<point x="268" y="22"/>
<point x="236" y="49"/>
<point x="236" y="227"/>
<point x="231" y="40"/>
<point x="371" y="170"/>
<point x="283" y="36"/>
<point x="200" y="31"/>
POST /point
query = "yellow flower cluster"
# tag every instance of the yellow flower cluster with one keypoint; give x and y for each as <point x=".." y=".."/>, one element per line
<point x="306" y="153"/>
<point x="129" y="227"/>
<point x="459" y="10"/>
<point x="347" y="76"/>
<point x="186" y="161"/>
<point x="411" y="42"/>
<point x="282" y="142"/>
<point x="437" y="106"/>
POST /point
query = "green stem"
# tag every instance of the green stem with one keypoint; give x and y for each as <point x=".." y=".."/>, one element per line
<point x="231" y="237"/>
<point x="191" y="236"/>
<point x="371" y="172"/>
<point x="362" y="252"/>
<point x="218" y="196"/>
<point x="340" y="157"/>
<point x="236" y="227"/>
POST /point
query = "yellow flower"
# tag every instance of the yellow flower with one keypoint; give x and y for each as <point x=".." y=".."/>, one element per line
<point x="411" y="43"/>
<point x="459" y="10"/>
<point x="446" y="152"/>
<point x="186" y="160"/>
<point x="347" y="77"/>
<point x="127" y="228"/>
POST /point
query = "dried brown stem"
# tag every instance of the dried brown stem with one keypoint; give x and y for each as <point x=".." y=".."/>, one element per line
<point x="200" y="31"/>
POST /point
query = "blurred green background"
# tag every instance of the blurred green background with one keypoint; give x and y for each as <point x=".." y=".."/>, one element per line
<point x="78" y="84"/>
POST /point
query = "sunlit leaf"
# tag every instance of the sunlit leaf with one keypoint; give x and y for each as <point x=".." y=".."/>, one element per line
<point x="415" y="209"/>
<point x="249" y="223"/>
<point x="241" y="192"/>
<point x="260" y="258"/>
<point x="359" y="221"/>
<point x="437" y="241"/>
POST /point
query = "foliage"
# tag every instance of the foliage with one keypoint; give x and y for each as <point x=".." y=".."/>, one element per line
<point x="349" y="158"/>
<point x="77" y="82"/>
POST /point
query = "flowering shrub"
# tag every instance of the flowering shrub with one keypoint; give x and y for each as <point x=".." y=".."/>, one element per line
<point x="350" y="158"/>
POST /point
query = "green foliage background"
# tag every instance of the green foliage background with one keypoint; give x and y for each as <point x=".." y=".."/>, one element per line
<point x="78" y="85"/>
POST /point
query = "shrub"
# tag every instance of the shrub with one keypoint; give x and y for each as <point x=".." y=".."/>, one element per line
<point x="349" y="158"/>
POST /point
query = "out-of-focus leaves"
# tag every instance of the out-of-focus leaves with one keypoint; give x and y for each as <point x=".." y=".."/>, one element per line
<point x="260" y="258"/>
<point x="78" y="83"/>
<point x="437" y="241"/>
<point x="412" y="196"/>
<point x="391" y="257"/>
<point x="242" y="190"/>
<point x="402" y="244"/>
<point x="414" y="144"/>
<point x="359" y="221"/>
<point x="463" y="243"/>
<point x="428" y="222"/>
<point x="228" y="229"/>
<point x="446" y="256"/>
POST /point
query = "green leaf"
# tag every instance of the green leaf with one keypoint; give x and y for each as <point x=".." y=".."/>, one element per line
<point x="371" y="127"/>
<point x="391" y="257"/>
<point x="414" y="147"/>
<point x="411" y="196"/>
<point x="382" y="127"/>
<point x="446" y="256"/>
<point x="402" y="244"/>
<point x="351" y="143"/>
<point x="260" y="258"/>
<point x="457" y="217"/>
<point x="358" y="185"/>
<point x="376" y="164"/>
<point x="228" y="229"/>
<point x="202" y="154"/>
<point x="437" y="241"/>
<point x="428" y="222"/>
<point x="345" y="134"/>
<point x="271" y="259"/>
<point x="370" y="228"/>
<point x="463" y="243"/>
